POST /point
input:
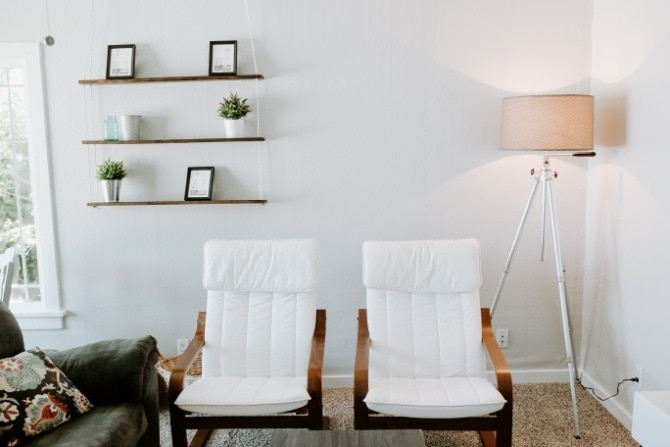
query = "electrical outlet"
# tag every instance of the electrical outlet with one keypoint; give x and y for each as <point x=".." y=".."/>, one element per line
<point x="182" y="343"/>
<point x="502" y="336"/>
<point x="638" y="374"/>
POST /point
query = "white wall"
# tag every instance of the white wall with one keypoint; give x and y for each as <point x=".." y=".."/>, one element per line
<point x="382" y="122"/>
<point x="626" y="309"/>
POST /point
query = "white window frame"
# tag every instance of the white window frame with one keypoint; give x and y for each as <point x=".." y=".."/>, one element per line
<point x="46" y="314"/>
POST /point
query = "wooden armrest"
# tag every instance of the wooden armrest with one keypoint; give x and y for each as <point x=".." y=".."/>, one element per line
<point x="362" y="357"/>
<point x="176" y="384"/>
<point x="315" y="368"/>
<point x="314" y="374"/>
<point x="500" y="366"/>
<point x="361" y="420"/>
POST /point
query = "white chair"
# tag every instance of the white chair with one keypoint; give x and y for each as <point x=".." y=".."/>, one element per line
<point x="6" y="275"/>
<point x="420" y="358"/>
<point x="262" y="342"/>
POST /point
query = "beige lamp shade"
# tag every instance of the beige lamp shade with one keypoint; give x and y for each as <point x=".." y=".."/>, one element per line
<point x="547" y="123"/>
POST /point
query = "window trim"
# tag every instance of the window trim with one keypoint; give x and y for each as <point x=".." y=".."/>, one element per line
<point x="47" y="314"/>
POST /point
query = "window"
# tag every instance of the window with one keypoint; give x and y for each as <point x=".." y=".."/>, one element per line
<point x="25" y="188"/>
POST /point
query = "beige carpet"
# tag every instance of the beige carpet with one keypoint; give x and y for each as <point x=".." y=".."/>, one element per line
<point x="542" y="418"/>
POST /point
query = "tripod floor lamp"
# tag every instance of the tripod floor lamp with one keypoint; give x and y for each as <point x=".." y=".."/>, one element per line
<point x="553" y="125"/>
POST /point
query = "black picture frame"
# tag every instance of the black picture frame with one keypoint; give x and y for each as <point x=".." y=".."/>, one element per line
<point x="199" y="182"/>
<point x="223" y="58"/>
<point x="120" y="61"/>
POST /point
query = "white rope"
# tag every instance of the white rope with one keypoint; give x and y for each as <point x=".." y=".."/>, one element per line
<point x="88" y="98"/>
<point x="259" y="150"/>
<point x="260" y="143"/>
<point x="251" y="36"/>
<point x="46" y="10"/>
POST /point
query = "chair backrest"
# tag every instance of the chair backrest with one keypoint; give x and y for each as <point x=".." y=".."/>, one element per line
<point x="261" y="307"/>
<point x="423" y="308"/>
<point x="6" y="275"/>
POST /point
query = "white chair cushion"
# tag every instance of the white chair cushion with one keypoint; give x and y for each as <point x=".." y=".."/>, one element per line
<point x="258" y="334"/>
<point x="425" y="335"/>
<point x="422" y="266"/>
<point x="261" y="313"/>
<point x="261" y="307"/>
<point x="446" y="398"/>
<point x="244" y="396"/>
<point x="260" y="265"/>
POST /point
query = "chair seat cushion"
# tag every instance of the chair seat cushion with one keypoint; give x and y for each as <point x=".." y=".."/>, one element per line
<point x="445" y="398"/>
<point x="244" y="396"/>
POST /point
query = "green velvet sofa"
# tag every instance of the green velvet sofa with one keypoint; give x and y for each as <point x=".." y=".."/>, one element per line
<point x="118" y="377"/>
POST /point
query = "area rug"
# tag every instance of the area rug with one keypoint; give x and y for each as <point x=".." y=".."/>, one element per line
<point x="542" y="418"/>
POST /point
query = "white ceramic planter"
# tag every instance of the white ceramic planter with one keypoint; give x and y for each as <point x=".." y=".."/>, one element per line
<point x="234" y="128"/>
<point x="129" y="127"/>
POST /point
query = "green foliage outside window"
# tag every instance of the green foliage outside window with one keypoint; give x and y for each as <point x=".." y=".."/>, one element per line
<point x="17" y="228"/>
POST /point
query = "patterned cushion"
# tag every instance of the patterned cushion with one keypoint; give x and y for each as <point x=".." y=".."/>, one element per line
<point x="35" y="396"/>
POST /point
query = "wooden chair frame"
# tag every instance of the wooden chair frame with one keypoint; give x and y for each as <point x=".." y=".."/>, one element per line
<point x="495" y="430"/>
<point x="310" y="416"/>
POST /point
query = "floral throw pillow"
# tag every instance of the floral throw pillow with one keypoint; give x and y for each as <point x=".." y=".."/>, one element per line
<point x="35" y="396"/>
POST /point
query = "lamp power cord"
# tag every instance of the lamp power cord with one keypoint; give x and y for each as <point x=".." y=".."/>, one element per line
<point x="603" y="399"/>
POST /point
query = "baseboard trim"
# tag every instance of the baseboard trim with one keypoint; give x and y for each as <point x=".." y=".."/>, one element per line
<point x="338" y="381"/>
<point x="540" y="376"/>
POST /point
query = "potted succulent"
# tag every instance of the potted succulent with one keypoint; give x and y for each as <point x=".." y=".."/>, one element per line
<point x="110" y="174"/>
<point x="233" y="109"/>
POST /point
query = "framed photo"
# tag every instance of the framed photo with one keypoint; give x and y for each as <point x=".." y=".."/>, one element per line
<point x="223" y="57"/>
<point x="199" y="181"/>
<point x="120" y="61"/>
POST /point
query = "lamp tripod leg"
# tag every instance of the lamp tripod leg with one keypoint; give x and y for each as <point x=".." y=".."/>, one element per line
<point x="565" y="316"/>
<point x="515" y="244"/>
<point x="544" y="177"/>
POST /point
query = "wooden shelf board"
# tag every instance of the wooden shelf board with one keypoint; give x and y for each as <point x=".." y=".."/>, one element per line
<point x="176" y="140"/>
<point x="180" y="202"/>
<point x="170" y="79"/>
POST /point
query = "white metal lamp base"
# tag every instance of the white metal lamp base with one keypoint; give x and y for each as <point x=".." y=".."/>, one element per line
<point x="544" y="178"/>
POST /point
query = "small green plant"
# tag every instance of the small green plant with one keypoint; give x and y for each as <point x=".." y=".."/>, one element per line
<point x="111" y="170"/>
<point x="233" y="107"/>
